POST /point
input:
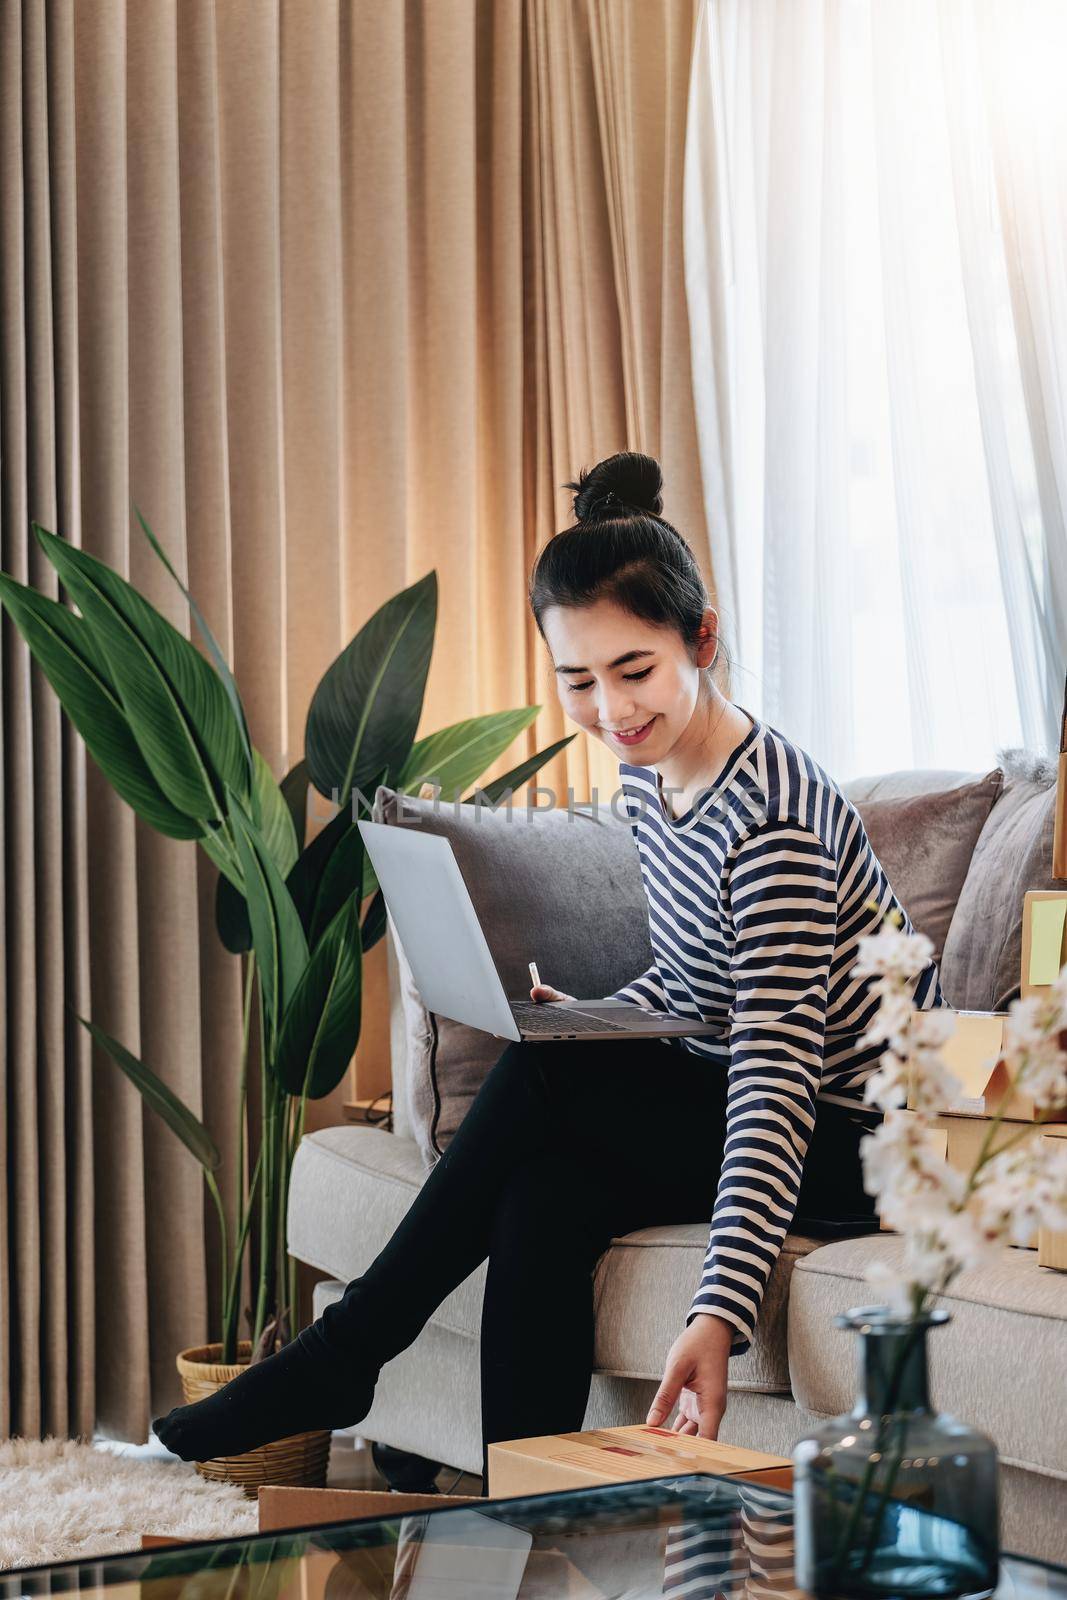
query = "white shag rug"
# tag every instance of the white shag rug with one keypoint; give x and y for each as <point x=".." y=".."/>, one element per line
<point x="62" y="1498"/>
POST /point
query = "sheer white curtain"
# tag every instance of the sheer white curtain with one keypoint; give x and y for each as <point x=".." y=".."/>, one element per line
<point x="875" y="269"/>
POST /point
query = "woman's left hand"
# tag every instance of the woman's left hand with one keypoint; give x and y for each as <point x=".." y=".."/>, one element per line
<point x="695" y="1376"/>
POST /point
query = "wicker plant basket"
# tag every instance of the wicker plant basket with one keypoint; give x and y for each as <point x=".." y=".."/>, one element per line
<point x="301" y="1459"/>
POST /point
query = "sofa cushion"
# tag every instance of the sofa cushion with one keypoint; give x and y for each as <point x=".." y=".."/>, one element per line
<point x="351" y="1187"/>
<point x="983" y="948"/>
<point x="998" y="1311"/>
<point x="925" y="843"/>
<point x="643" y="1291"/>
<point x="905" y="783"/>
<point x="560" y="887"/>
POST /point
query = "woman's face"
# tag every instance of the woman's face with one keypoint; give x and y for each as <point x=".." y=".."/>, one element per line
<point x="617" y="675"/>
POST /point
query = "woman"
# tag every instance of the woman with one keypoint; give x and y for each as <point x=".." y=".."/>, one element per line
<point x="760" y="881"/>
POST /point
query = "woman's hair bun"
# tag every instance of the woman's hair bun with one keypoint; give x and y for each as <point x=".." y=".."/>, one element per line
<point x="627" y="482"/>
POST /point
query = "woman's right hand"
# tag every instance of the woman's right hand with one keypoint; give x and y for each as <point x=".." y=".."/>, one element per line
<point x="545" y="991"/>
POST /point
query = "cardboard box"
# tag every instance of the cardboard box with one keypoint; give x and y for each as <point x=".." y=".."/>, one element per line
<point x="445" y="1555"/>
<point x="284" y="1505"/>
<point x="294" y="1506"/>
<point x="1052" y="1242"/>
<point x="1044" y="938"/>
<point x="973" y="1053"/>
<point x="445" y="1563"/>
<point x="622" y="1455"/>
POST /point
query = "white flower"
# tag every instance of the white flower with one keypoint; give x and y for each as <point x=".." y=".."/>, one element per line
<point x="892" y="953"/>
<point x="1022" y="1030"/>
<point x="963" y="1241"/>
<point x="1032" y="1051"/>
<point x="950" y="1220"/>
<point x="893" y="1019"/>
<point x="1023" y="1188"/>
<point x="923" y="1207"/>
<point x="901" y="1168"/>
<point x="888" y="1087"/>
<point x="934" y="1085"/>
<point x="890" y="1286"/>
<point x="884" y="1152"/>
<point x="934" y="1251"/>
<point x="914" y="1036"/>
<point x="923" y="1265"/>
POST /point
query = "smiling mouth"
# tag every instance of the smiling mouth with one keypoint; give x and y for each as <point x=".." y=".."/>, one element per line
<point x="631" y="735"/>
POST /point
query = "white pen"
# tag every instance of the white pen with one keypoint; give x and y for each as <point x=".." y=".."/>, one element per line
<point x="534" y="975"/>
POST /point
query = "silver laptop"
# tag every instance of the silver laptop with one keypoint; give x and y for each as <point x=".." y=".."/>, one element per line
<point x="451" y="962"/>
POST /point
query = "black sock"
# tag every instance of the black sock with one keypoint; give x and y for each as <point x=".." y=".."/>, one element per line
<point x="304" y="1386"/>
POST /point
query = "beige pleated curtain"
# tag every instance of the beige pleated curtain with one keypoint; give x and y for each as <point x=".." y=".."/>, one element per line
<point x="335" y="291"/>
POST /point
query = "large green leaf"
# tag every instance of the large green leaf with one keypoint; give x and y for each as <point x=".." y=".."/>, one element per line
<point x="306" y="878"/>
<point x="216" y="843"/>
<point x="341" y="881"/>
<point x="329" y="871"/>
<point x="274" y="819"/>
<point x="364" y="713"/>
<point x="456" y="755"/>
<point x="272" y="816"/>
<point x="62" y="646"/>
<point x="231" y="917"/>
<point x="277" y="935"/>
<point x="192" y="1133"/>
<point x="322" y="1022"/>
<point x="175" y="704"/>
<point x="492" y="792"/>
<point x="222" y="666"/>
<point x="295" y="789"/>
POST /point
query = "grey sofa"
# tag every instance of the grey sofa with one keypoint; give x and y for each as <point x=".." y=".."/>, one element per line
<point x="1001" y="1362"/>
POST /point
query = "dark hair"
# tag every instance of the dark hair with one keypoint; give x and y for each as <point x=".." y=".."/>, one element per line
<point x="621" y="549"/>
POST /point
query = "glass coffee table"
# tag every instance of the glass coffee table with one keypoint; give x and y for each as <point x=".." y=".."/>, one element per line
<point x="662" y="1539"/>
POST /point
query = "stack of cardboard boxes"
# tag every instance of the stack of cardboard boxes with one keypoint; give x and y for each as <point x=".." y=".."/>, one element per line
<point x="517" y="1467"/>
<point x="973" y="1053"/>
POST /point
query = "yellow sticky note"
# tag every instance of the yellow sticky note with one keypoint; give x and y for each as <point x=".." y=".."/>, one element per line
<point x="1046" y="939"/>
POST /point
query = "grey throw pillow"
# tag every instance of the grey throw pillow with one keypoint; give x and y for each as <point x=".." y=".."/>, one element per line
<point x="983" y="949"/>
<point x="925" y="843"/>
<point x="562" y="888"/>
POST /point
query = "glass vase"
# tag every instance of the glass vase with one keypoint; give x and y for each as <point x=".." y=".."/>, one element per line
<point x="892" y="1498"/>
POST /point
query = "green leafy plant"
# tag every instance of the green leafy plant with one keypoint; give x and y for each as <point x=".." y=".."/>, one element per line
<point x="165" y="724"/>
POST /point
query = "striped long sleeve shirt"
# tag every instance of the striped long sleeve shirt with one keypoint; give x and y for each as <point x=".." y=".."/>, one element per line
<point x="757" y="899"/>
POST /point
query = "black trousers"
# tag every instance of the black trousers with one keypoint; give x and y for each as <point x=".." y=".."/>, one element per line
<point x="566" y="1145"/>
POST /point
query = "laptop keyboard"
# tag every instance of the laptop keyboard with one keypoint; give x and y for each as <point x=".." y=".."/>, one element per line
<point x="533" y="1018"/>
